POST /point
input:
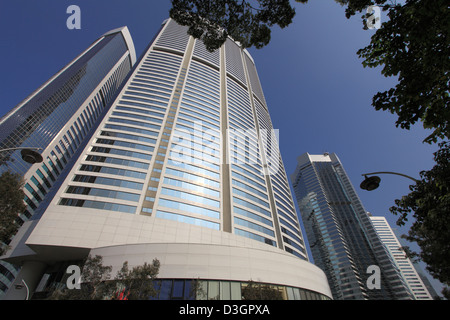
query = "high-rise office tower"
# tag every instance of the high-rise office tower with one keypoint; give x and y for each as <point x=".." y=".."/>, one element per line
<point x="184" y="168"/>
<point x="404" y="264"/>
<point x="343" y="242"/>
<point x="58" y="118"/>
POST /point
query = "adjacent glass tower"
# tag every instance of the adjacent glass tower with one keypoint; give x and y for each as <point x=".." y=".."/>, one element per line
<point x="185" y="167"/>
<point x="59" y="117"/>
<point x="404" y="264"/>
<point x="342" y="239"/>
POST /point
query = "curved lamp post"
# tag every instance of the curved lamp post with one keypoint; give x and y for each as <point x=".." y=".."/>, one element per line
<point x="371" y="183"/>
<point x="28" y="154"/>
<point x="20" y="286"/>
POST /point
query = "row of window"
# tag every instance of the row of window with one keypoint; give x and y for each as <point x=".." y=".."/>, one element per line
<point x="190" y="197"/>
<point x="105" y="193"/>
<point x="101" y="205"/>
<point x="191" y="151"/>
<point x="250" y="197"/>
<point x="113" y="171"/>
<point x="251" y="225"/>
<point x="186" y="137"/>
<point x="196" y="153"/>
<point x="233" y="60"/>
<point x="120" y="152"/>
<point x="125" y="144"/>
<point x="247" y="154"/>
<point x="201" y="52"/>
<point x="127" y="136"/>
<point x="174" y="37"/>
<point x="117" y="161"/>
<point x="134" y="123"/>
<point x="72" y="139"/>
<point x="251" y="215"/>
<point x="141" y="109"/>
<point x="196" y="289"/>
<point x="187" y="219"/>
<point x="194" y="168"/>
<point x="252" y="206"/>
<point x="287" y="216"/>
<point x="254" y="236"/>
<point x="253" y="177"/>
<point x="192" y="187"/>
<point x="142" y="104"/>
<point x="195" y="209"/>
<point x="194" y="177"/>
<point x="278" y="179"/>
<point x="109" y="182"/>
<point x="137" y="116"/>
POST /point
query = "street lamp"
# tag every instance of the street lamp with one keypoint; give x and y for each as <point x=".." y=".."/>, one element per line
<point x="20" y="286"/>
<point x="371" y="183"/>
<point x="28" y="154"/>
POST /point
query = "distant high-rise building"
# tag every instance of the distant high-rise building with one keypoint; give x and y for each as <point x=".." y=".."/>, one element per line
<point x="404" y="264"/>
<point x="185" y="168"/>
<point x="342" y="240"/>
<point x="59" y="117"/>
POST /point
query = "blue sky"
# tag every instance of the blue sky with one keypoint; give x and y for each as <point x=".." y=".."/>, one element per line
<point x="318" y="93"/>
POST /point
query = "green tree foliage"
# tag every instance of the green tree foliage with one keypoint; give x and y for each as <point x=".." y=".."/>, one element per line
<point x="214" y="21"/>
<point x="413" y="45"/>
<point x="138" y="283"/>
<point x="11" y="204"/>
<point x="429" y="203"/>
<point x="96" y="284"/>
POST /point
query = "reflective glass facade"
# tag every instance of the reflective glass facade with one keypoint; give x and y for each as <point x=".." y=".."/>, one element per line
<point x="194" y="289"/>
<point x="60" y="117"/>
<point x="404" y="264"/>
<point x="40" y="118"/>
<point x="188" y="289"/>
<point x="193" y="129"/>
<point x="342" y="239"/>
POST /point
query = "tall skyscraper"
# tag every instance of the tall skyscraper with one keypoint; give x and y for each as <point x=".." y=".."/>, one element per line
<point x="59" y="117"/>
<point x="342" y="239"/>
<point x="404" y="264"/>
<point x="185" y="168"/>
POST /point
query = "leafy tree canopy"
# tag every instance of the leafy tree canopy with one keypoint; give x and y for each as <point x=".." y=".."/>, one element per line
<point x="214" y="21"/>
<point x="429" y="201"/>
<point x="414" y="46"/>
<point x="11" y="204"/>
<point x="134" y="284"/>
<point x="138" y="282"/>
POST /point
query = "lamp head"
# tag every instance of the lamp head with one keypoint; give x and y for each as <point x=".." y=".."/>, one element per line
<point x="31" y="156"/>
<point x="370" y="183"/>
